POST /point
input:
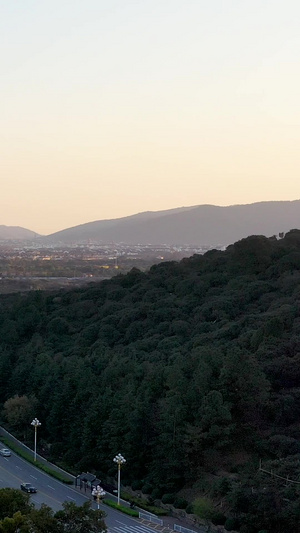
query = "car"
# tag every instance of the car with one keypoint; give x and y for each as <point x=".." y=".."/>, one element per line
<point x="27" y="487"/>
<point x="5" y="452"/>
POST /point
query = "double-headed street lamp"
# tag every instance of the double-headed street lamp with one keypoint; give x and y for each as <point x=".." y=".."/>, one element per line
<point x="120" y="460"/>
<point x="97" y="494"/>
<point x="36" y="423"/>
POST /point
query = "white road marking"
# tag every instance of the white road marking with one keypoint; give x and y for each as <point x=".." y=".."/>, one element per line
<point x="19" y="468"/>
<point x="33" y="477"/>
<point x="50" y="487"/>
<point x="71" y="498"/>
<point x="127" y="529"/>
<point x="138" y="526"/>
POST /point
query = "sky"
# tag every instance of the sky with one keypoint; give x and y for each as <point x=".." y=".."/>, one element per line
<point x="114" y="107"/>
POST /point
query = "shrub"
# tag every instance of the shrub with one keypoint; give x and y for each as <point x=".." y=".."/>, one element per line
<point x="231" y="524"/>
<point x="189" y="509"/>
<point x="156" y="494"/>
<point x="121" y="508"/>
<point x="180" y="503"/>
<point x="218" y="519"/>
<point x="168" y="498"/>
<point x="203" y="507"/>
<point x="147" y="488"/>
<point x="222" y="486"/>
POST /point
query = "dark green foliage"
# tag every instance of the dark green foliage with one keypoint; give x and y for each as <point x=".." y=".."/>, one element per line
<point x="180" y="503"/>
<point x="83" y="519"/>
<point x="13" y="500"/>
<point x="156" y="493"/>
<point x="189" y="508"/>
<point x="136" y="485"/>
<point x="218" y="519"/>
<point x="122" y="508"/>
<point x="41" y="521"/>
<point x="231" y="524"/>
<point x="181" y="369"/>
<point x="147" y="488"/>
<point x="168" y="498"/>
<point x="72" y="519"/>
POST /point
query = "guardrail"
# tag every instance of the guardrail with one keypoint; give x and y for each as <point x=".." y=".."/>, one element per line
<point x="182" y="529"/>
<point x="151" y="518"/>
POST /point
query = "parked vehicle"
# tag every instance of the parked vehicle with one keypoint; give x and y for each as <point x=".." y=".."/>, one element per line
<point x="5" y="452"/>
<point x="27" y="487"/>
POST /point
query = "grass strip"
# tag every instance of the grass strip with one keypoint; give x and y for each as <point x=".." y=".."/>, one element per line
<point x="28" y="457"/>
<point x="121" y="508"/>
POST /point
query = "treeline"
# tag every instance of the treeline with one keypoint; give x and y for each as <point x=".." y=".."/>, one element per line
<point x="190" y="370"/>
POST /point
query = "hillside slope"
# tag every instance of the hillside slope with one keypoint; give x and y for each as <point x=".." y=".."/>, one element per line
<point x="191" y="370"/>
<point x="16" y="233"/>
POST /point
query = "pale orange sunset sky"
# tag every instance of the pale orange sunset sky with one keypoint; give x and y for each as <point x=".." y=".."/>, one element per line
<point x="113" y="107"/>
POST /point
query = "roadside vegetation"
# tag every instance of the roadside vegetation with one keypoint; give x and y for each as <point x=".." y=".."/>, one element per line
<point x="123" y="508"/>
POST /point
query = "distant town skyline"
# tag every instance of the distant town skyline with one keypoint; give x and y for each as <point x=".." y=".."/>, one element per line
<point x="114" y="108"/>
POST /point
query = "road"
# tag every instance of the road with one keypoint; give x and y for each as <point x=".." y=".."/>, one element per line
<point x="14" y="470"/>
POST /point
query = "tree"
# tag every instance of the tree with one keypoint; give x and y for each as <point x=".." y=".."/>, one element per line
<point x="12" y="525"/>
<point x="19" y="410"/>
<point x="75" y="519"/>
<point x="41" y="521"/>
<point x="12" y="501"/>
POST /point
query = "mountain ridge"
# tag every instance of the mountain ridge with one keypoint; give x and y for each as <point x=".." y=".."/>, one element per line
<point x="205" y="224"/>
<point x="16" y="233"/>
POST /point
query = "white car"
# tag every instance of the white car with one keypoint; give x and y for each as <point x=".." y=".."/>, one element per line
<point x="5" y="452"/>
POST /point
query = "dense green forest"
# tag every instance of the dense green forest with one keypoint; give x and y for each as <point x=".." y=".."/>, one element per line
<point x="190" y="370"/>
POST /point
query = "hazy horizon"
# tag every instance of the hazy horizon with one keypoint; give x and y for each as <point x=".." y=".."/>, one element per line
<point x="114" y="108"/>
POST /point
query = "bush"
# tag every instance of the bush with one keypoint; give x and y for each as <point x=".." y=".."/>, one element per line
<point x="140" y="502"/>
<point x="222" y="486"/>
<point x="189" y="509"/>
<point x="231" y="524"/>
<point x="147" y="488"/>
<point x="156" y="494"/>
<point x="168" y="498"/>
<point x="180" y="503"/>
<point x="121" y="508"/>
<point x="218" y="519"/>
<point x="204" y="508"/>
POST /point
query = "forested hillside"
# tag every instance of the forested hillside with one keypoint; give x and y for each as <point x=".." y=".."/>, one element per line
<point x="191" y="371"/>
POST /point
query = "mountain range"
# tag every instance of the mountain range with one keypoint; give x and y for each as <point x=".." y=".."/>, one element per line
<point x="201" y="225"/>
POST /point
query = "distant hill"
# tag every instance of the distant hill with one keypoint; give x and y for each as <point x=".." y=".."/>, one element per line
<point x="203" y="225"/>
<point x="16" y="233"/>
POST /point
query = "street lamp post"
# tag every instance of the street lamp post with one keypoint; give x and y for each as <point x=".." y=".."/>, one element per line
<point x="120" y="460"/>
<point x="97" y="494"/>
<point x="36" y="423"/>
